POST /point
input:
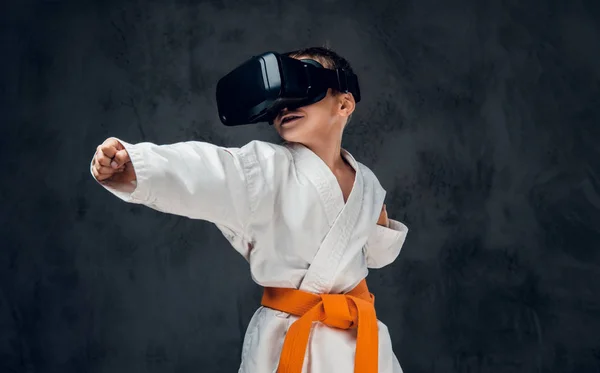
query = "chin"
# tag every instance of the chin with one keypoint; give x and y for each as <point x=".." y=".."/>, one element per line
<point x="291" y="138"/>
<point x="290" y="135"/>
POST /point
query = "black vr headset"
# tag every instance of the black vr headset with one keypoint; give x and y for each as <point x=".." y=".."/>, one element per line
<point x="257" y="90"/>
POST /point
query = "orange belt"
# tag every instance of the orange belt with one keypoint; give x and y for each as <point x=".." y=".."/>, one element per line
<point x="344" y="311"/>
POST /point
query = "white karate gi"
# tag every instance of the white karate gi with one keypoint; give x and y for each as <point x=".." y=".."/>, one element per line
<point x="281" y="207"/>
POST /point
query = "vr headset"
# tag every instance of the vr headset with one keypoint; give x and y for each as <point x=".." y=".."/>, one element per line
<point x="258" y="89"/>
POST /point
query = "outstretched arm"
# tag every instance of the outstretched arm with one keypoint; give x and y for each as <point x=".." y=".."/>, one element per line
<point x="193" y="179"/>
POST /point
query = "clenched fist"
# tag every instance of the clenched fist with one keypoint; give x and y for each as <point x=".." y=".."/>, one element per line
<point x="111" y="162"/>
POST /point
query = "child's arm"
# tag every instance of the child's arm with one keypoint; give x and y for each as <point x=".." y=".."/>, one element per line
<point x="193" y="179"/>
<point x="384" y="244"/>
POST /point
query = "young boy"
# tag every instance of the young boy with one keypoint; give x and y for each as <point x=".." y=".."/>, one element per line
<point x="308" y="218"/>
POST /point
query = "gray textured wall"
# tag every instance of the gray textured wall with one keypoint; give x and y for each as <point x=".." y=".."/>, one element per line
<point x="480" y="118"/>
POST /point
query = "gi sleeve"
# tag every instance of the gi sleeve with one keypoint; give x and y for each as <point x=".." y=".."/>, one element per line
<point x="193" y="179"/>
<point x="384" y="244"/>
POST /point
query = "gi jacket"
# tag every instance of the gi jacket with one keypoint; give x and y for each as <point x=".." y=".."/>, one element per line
<point x="282" y="209"/>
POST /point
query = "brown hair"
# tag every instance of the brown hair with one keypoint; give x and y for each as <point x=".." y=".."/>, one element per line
<point x="325" y="55"/>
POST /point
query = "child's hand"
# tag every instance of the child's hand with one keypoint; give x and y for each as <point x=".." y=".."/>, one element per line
<point x="112" y="162"/>
<point x="383" y="217"/>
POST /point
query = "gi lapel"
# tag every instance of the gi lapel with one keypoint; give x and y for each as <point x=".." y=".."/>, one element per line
<point x="343" y="217"/>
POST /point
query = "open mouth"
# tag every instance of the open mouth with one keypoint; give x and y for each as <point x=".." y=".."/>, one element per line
<point x="290" y="118"/>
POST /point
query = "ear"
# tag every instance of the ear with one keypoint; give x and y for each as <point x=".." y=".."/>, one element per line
<point x="347" y="104"/>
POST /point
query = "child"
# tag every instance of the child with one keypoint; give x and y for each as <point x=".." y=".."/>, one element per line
<point x="308" y="218"/>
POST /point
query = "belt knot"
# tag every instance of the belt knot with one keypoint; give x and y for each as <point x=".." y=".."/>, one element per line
<point x="339" y="311"/>
<point x="354" y="309"/>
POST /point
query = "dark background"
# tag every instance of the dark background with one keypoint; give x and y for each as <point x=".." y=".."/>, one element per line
<point x="481" y="119"/>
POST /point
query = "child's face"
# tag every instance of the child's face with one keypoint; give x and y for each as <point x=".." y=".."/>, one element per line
<point x="322" y="120"/>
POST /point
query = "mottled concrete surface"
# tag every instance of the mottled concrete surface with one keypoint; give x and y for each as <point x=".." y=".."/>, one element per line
<point x="481" y="119"/>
